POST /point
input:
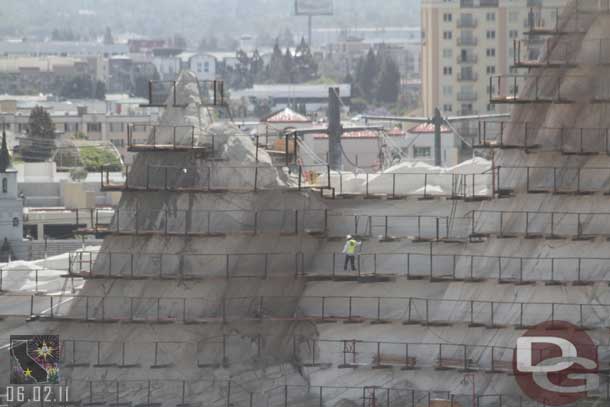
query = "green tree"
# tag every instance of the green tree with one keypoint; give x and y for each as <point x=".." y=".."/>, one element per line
<point x="275" y="64"/>
<point x="365" y="76"/>
<point x="388" y="86"/>
<point x="287" y="71"/>
<point x="41" y="136"/>
<point x="83" y="87"/>
<point x="306" y="67"/>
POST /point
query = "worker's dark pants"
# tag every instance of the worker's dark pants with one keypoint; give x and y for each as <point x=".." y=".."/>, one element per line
<point x="349" y="259"/>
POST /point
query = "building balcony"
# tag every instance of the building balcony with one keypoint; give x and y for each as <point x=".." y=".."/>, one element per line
<point x="467" y="112"/>
<point x="466" y="96"/>
<point x="467" y="23"/>
<point x="467" y="42"/>
<point x="468" y="76"/>
<point x="467" y="59"/>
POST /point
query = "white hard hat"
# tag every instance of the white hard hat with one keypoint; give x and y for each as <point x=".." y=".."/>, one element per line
<point x="348" y="237"/>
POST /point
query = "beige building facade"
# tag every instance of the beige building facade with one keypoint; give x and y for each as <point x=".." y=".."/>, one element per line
<point x="467" y="42"/>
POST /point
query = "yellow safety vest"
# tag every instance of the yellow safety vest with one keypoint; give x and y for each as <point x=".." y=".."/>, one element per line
<point x="351" y="247"/>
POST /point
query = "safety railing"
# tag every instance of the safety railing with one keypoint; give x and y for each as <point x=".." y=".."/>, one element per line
<point x="93" y="220"/>
<point x="185" y="266"/>
<point x="555" y="180"/>
<point x="212" y="92"/>
<point x="210" y="223"/>
<point x="165" y="93"/>
<point x="181" y="393"/>
<point x="370" y="267"/>
<point x="539" y="224"/>
<point x="412" y="184"/>
<point x="317" y="309"/>
<point x="225" y="350"/>
<point x="573" y="19"/>
<point x="220" y="178"/>
<point x="162" y="138"/>
<point x="37" y="280"/>
<point x="548" y="89"/>
<point x="530" y="53"/>
<point x="532" y="136"/>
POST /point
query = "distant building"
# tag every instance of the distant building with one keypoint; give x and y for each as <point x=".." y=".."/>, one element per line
<point x="363" y="148"/>
<point x="369" y="35"/>
<point x="11" y="207"/>
<point x="420" y="142"/>
<point x="108" y="122"/>
<point x="145" y="46"/>
<point x="168" y="63"/>
<point x="204" y="65"/>
<point x="464" y="43"/>
<point x="61" y="48"/>
<point x="314" y="97"/>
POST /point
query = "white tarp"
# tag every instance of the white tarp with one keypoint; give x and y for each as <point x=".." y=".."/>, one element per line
<point x="418" y="178"/>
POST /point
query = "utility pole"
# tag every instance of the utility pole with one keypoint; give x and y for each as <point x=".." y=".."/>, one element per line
<point x="437" y="121"/>
<point x="334" y="129"/>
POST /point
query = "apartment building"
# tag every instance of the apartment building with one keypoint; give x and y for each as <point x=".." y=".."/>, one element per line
<point x="466" y="42"/>
<point x="108" y="125"/>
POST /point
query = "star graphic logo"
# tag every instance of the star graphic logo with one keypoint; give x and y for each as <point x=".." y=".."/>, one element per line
<point x="44" y="351"/>
<point x="27" y="373"/>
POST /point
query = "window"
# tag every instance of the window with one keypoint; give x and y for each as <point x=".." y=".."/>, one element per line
<point x="94" y="127"/>
<point x="117" y="127"/>
<point x="491" y="107"/>
<point x="513" y="16"/>
<point x="447" y="17"/>
<point x="490" y="34"/>
<point x="490" y="52"/>
<point x="491" y="16"/>
<point x="447" y="53"/>
<point x="206" y="67"/>
<point x="447" y="90"/>
<point x="447" y="70"/>
<point x="447" y="108"/>
<point x="422" y="152"/>
<point x="447" y="35"/>
<point x="118" y="142"/>
<point x="491" y="70"/>
<point x="4" y="185"/>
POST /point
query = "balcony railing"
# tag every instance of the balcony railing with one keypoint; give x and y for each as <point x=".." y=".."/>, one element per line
<point x="468" y="76"/>
<point x="467" y="59"/>
<point x="467" y="23"/>
<point x="467" y="41"/>
<point x="467" y="96"/>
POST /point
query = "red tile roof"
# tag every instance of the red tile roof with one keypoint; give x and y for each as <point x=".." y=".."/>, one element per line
<point x="427" y="128"/>
<point x="286" y="116"/>
<point x="364" y="134"/>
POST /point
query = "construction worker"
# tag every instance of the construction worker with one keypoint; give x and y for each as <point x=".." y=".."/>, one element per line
<point x="350" y="252"/>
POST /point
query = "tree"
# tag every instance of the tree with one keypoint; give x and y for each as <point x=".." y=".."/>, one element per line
<point x="108" y="40"/>
<point x="83" y="87"/>
<point x="275" y="64"/>
<point x="366" y="74"/>
<point x="287" y="71"/>
<point x="306" y="66"/>
<point x="388" y="87"/>
<point x="41" y="136"/>
<point x="78" y="174"/>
